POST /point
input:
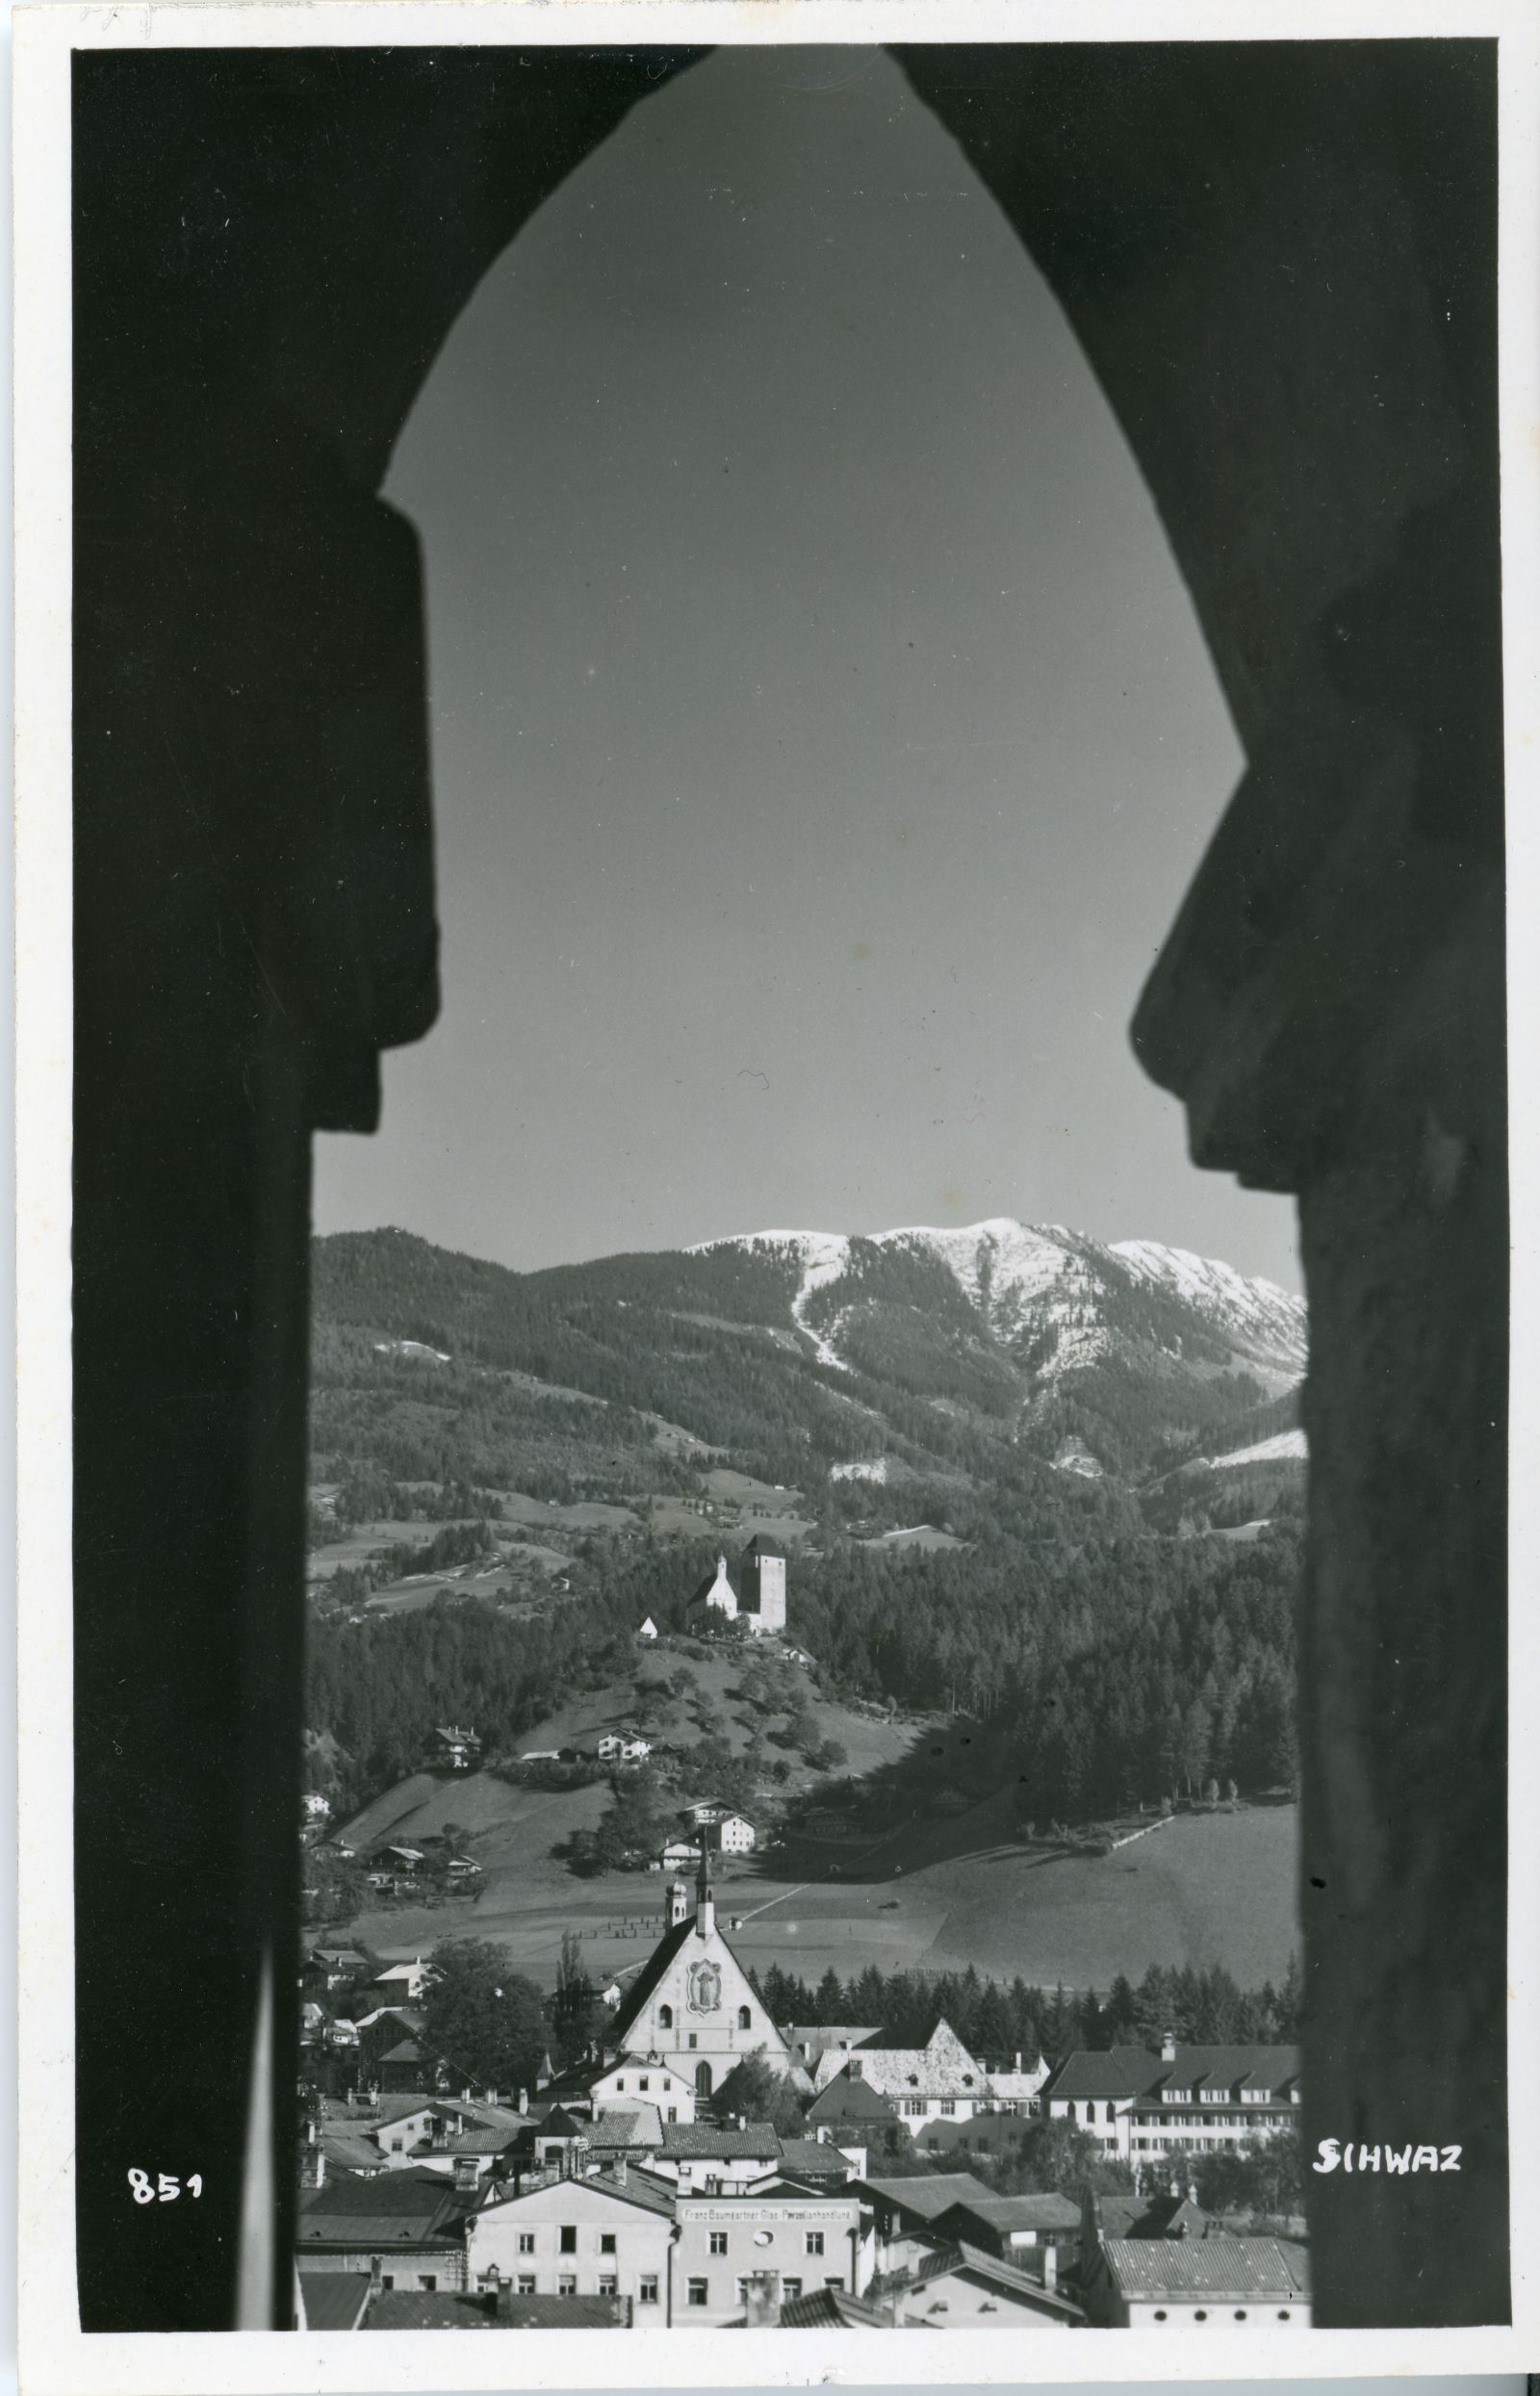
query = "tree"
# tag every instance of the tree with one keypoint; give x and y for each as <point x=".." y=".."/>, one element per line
<point x="761" y="2095"/>
<point x="577" y="2010"/>
<point x="480" y="2019"/>
<point x="1058" y="2156"/>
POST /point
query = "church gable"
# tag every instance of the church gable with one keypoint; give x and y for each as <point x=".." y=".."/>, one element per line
<point x="703" y="1994"/>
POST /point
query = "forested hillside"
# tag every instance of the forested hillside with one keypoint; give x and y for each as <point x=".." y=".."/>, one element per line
<point x="1000" y="1459"/>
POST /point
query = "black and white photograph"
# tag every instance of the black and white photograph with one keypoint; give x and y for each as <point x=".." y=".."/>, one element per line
<point x="765" y="1244"/>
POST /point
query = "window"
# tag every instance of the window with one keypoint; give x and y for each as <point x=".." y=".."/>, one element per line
<point x="1284" y="2315"/>
<point x="745" y="2017"/>
<point x="387" y="2280"/>
<point x="713" y="2188"/>
<point x="835" y="2283"/>
<point x="698" y="2292"/>
<point x="740" y="2289"/>
<point x="644" y="2083"/>
<point x="569" y="2237"/>
<point x="665" y="2017"/>
<point x="527" y="2241"/>
<point x="527" y="2283"/>
<point x="1239" y="2313"/>
<point x="1160" y="2315"/>
<point x="693" y="2041"/>
<point x="949" y="2104"/>
<point x="620" y="2087"/>
<point x="428" y="2280"/>
<point x="552" y="2155"/>
<point x="1200" y="2315"/>
<point x="673" y="2113"/>
<point x="913" y="2104"/>
<point x="718" y="2242"/>
<point x="396" y="2146"/>
<point x="607" y="2242"/>
<point x="814" y="2242"/>
<point x="567" y="2285"/>
<point x="790" y="2288"/>
<point x="608" y="2284"/>
<point x="647" y="2289"/>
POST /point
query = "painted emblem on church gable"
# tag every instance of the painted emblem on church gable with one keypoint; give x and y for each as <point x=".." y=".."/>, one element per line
<point x="705" y="1988"/>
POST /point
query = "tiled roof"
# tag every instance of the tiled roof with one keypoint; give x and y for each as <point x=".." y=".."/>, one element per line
<point x="812" y="2154"/>
<point x="831" y="2309"/>
<point x="638" y="1996"/>
<point x="697" y="2139"/>
<point x="644" y="2188"/>
<point x="942" y="2069"/>
<point x="333" y="2299"/>
<point x="561" y="2312"/>
<point x="958" y="2256"/>
<point x="349" y="2150"/>
<point x="632" y="2126"/>
<point x="816" y="2036"/>
<point x="1133" y="2071"/>
<point x="1224" y="2270"/>
<point x="392" y="2192"/>
<point x="928" y="2195"/>
<point x="421" y="2308"/>
<point x="845" y="2100"/>
<point x="1026" y="2212"/>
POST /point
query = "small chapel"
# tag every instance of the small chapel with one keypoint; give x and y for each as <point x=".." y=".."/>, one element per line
<point x="693" y="2003"/>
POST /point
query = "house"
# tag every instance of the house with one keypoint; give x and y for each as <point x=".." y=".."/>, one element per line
<point x="959" y="2286"/>
<point x="628" y="2080"/>
<point x="939" y="2081"/>
<point x="680" y="1856"/>
<point x="406" y="1981"/>
<point x="692" y="2002"/>
<point x="554" y="2139"/>
<point x="601" y="2236"/>
<point x="904" y="2212"/>
<point x="334" y="1966"/>
<point x="460" y="1750"/>
<point x="1016" y="2091"/>
<point x="632" y="2131"/>
<point x="408" y="2225"/>
<point x="850" y="2113"/>
<point x="648" y="1630"/>
<point x="1201" y="2099"/>
<point x="1015" y="2229"/>
<point x="821" y="2161"/>
<point x="1135" y="2283"/>
<point x="315" y="1807"/>
<point x="737" y="1835"/>
<point x="397" y="1860"/>
<point x="1168" y="2213"/>
<point x="807" y="2241"/>
<point x="623" y="1747"/>
<point x="463" y="2138"/>
<point x="697" y="2156"/>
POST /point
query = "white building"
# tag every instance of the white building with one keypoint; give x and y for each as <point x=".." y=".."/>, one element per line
<point x="649" y="1630"/>
<point x="1200" y="2100"/>
<point x="939" y="2081"/>
<point x="404" y="1982"/>
<point x="692" y="2004"/>
<point x="799" y="2242"/>
<point x="578" y="2237"/>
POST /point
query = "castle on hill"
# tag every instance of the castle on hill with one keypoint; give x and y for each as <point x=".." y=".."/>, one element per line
<point x="762" y="1571"/>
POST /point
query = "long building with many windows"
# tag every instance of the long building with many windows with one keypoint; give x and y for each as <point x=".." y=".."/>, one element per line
<point x="1190" y="2099"/>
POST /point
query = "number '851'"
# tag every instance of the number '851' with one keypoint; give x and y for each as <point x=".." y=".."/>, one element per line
<point x="163" y="2189"/>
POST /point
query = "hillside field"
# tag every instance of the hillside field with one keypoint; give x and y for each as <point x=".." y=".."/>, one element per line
<point x="1204" y="1890"/>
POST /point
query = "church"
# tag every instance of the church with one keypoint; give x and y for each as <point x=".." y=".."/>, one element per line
<point x="762" y="1569"/>
<point x="692" y="2004"/>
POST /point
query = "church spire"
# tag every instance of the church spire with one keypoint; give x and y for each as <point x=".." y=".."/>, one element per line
<point x="705" y="1904"/>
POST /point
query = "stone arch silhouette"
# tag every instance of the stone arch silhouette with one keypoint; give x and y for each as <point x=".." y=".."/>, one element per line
<point x="1281" y="262"/>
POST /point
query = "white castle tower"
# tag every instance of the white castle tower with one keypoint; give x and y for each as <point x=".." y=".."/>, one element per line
<point x="762" y="1566"/>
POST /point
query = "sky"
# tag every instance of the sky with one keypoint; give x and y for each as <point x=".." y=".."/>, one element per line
<point x="823" y="739"/>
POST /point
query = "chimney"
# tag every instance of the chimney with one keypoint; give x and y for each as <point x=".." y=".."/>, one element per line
<point x="321" y="2167"/>
<point x="1018" y="2061"/>
<point x="1168" y="2047"/>
<point x="465" y="2171"/>
<point x="619" y="2173"/>
<point x="523" y="2101"/>
<point x="1050" y="2266"/>
<point x="1191" y="2192"/>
